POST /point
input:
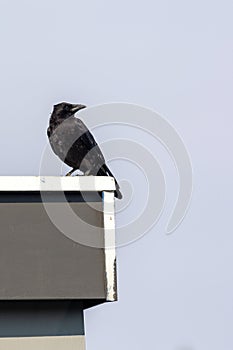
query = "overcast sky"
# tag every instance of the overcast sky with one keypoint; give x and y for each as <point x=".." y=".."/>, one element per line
<point x="176" y="291"/>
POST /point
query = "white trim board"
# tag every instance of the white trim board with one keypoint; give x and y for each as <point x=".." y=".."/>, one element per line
<point x="109" y="240"/>
<point x="56" y="183"/>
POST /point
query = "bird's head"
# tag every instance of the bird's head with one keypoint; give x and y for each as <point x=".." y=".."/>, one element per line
<point x="65" y="110"/>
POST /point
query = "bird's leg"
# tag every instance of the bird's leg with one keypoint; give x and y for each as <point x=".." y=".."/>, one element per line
<point x="70" y="172"/>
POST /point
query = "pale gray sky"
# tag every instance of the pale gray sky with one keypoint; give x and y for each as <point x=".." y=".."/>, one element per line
<point x="175" y="292"/>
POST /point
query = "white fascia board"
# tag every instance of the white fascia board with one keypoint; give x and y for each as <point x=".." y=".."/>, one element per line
<point x="56" y="183"/>
<point x="110" y="246"/>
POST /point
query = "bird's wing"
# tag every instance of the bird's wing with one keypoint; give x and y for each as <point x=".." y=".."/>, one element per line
<point x="88" y="141"/>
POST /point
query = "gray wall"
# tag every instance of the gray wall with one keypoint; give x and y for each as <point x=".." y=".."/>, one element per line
<point x="41" y="318"/>
<point x="37" y="261"/>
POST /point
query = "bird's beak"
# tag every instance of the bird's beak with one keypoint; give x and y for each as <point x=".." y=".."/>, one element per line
<point x="76" y="108"/>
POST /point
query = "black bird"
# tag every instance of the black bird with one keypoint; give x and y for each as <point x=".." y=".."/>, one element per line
<point x="74" y="144"/>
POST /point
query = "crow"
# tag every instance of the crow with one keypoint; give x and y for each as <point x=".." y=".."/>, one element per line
<point x="74" y="144"/>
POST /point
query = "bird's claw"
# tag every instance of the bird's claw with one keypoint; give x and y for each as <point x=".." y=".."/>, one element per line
<point x="69" y="173"/>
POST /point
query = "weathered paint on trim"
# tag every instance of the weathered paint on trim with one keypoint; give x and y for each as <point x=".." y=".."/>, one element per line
<point x="110" y="251"/>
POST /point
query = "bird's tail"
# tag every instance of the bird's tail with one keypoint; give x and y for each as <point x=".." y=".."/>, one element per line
<point x="103" y="171"/>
